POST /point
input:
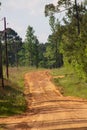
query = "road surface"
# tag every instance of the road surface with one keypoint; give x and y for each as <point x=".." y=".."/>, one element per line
<point x="47" y="108"/>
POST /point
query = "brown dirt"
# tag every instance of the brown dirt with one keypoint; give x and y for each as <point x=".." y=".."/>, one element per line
<point x="47" y="108"/>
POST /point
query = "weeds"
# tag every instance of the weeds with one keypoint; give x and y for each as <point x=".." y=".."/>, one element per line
<point x="70" y="84"/>
<point x="12" y="100"/>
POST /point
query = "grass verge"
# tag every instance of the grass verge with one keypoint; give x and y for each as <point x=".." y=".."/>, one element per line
<point x="12" y="100"/>
<point x="68" y="82"/>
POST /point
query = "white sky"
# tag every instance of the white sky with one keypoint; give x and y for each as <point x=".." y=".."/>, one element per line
<point x="21" y="13"/>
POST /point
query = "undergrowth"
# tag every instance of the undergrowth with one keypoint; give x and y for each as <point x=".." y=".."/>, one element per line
<point x="69" y="83"/>
<point x="12" y="99"/>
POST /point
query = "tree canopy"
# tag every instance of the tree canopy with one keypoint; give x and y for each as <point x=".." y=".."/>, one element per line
<point x="72" y="34"/>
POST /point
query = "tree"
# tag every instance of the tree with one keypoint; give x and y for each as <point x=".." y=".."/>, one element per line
<point x="64" y="5"/>
<point x="49" y="54"/>
<point x="22" y="55"/>
<point x="52" y="52"/>
<point x="74" y="46"/>
<point x="14" y="45"/>
<point x="36" y="52"/>
<point x="31" y="47"/>
<point x="42" y="58"/>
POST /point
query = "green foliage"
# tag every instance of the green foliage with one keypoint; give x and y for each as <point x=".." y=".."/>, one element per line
<point x="21" y="55"/>
<point x="71" y="38"/>
<point x="42" y="59"/>
<point x="52" y="23"/>
<point x="12" y="100"/>
<point x="49" y="9"/>
<point x="31" y="48"/>
<point x="14" y="44"/>
<point x="70" y="84"/>
<point x="85" y="2"/>
<point x="53" y="56"/>
<point x="74" y="47"/>
<point x="49" y="55"/>
<point x="64" y="3"/>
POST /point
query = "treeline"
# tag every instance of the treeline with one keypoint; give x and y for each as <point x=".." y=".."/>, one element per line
<point x="28" y="53"/>
<point x="66" y="45"/>
<point x="72" y="33"/>
<point x="37" y="54"/>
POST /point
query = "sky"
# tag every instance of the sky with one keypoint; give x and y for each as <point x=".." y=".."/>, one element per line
<point x="22" y="13"/>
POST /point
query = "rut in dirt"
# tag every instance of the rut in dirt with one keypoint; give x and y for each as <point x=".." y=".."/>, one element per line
<point x="53" y="110"/>
<point x="47" y="108"/>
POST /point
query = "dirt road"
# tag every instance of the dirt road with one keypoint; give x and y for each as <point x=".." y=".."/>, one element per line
<point x="47" y="108"/>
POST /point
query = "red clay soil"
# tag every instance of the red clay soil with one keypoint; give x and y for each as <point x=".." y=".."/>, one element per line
<point x="47" y="108"/>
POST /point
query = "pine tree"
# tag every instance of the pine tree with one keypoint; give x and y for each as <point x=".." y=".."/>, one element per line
<point x="31" y="47"/>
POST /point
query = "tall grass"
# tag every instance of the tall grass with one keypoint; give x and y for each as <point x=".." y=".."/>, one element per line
<point x="12" y="100"/>
<point x="68" y="82"/>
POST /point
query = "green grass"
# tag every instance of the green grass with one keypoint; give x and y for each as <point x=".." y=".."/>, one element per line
<point x="16" y="75"/>
<point x="70" y="84"/>
<point x="12" y="100"/>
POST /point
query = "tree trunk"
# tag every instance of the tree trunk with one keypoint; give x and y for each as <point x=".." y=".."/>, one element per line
<point x="77" y="17"/>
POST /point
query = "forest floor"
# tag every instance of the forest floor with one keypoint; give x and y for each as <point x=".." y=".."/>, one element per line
<point x="47" y="108"/>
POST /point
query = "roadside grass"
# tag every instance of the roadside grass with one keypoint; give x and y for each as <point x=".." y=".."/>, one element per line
<point x="12" y="99"/>
<point x="68" y="82"/>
